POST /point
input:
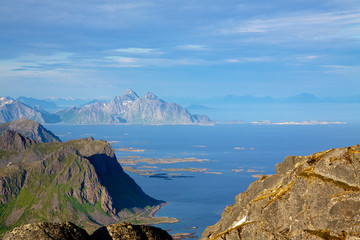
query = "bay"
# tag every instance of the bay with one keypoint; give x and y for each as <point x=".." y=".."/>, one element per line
<point x="238" y="152"/>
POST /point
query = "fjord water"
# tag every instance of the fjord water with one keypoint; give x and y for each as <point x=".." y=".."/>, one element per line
<point x="197" y="199"/>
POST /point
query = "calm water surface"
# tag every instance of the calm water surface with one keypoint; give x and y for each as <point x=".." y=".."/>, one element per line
<point x="199" y="199"/>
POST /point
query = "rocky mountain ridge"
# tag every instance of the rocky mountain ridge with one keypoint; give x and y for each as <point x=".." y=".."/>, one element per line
<point x="30" y="129"/>
<point x="311" y="197"/>
<point x="11" y="110"/>
<point x="79" y="181"/>
<point x="130" y="108"/>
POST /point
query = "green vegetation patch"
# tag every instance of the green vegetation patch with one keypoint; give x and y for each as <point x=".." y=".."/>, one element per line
<point x="25" y="198"/>
<point x="325" y="234"/>
<point x="7" y="154"/>
<point x="100" y="209"/>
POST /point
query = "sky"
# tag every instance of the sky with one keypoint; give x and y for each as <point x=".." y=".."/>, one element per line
<point x="190" y="49"/>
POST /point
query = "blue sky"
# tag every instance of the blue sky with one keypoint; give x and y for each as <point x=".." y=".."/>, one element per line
<point x="97" y="49"/>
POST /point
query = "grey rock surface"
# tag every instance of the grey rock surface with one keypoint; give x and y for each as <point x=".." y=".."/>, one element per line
<point x="30" y="129"/>
<point x="311" y="197"/>
<point x="11" y="110"/>
<point x="130" y="108"/>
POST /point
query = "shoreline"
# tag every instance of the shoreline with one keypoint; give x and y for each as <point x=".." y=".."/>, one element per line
<point x="148" y="217"/>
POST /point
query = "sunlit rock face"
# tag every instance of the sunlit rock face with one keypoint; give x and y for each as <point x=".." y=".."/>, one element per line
<point x="130" y="108"/>
<point x="311" y="197"/>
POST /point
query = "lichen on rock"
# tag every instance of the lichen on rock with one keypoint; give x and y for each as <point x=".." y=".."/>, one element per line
<point x="311" y="197"/>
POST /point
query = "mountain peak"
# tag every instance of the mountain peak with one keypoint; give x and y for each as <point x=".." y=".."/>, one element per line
<point x="129" y="92"/>
<point x="150" y="96"/>
<point x="5" y="100"/>
<point x="13" y="141"/>
<point x="31" y="129"/>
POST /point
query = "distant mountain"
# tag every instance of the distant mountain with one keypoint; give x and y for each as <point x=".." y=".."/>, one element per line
<point x="45" y="104"/>
<point x="70" y="102"/>
<point x="78" y="181"/>
<point x="197" y="107"/>
<point x="11" y="110"/>
<point x="30" y="129"/>
<point x="303" y="98"/>
<point x="249" y="99"/>
<point x="130" y="108"/>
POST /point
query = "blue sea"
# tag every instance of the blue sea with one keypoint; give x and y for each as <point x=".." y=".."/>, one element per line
<point x="198" y="198"/>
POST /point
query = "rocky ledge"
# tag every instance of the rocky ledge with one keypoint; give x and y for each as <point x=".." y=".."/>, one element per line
<point x="311" y="197"/>
<point x="69" y="231"/>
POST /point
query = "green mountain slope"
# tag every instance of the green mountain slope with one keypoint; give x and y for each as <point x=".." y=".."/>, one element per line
<point x="79" y="181"/>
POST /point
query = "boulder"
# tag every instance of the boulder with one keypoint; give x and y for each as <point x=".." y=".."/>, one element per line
<point x="124" y="231"/>
<point x="47" y="231"/>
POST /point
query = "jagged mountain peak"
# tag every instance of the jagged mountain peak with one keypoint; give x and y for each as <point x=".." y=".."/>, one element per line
<point x="130" y="94"/>
<point x="5" y="100"/>
<point x="150" y="96"/>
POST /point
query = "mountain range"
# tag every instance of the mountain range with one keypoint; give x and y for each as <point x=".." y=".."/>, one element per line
<point x="78" y="180"/>
<point x="128" y="108"/>
<point x="11" y="110"/>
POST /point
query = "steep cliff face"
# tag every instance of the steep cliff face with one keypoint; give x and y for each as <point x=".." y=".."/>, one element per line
<point x="30" y="129"/>
<point x="312" y="197"/>
<point x="129" y="108"/>
<point x="79" y="181"/>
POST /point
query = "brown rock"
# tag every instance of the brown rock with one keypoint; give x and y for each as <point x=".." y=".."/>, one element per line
<point x="47" y="231"/>
<point x="125" y="231"/>
<point x="13" y="141"/>
<point x="312" y="197"/>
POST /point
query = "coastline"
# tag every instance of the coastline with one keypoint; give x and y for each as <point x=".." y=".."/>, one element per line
<point x="148" y="217"/>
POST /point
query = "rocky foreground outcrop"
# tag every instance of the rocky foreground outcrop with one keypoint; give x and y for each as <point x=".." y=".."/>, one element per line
<point x="128" y="231"/>
<point x="69" y="231"/>
<point x="312" y="197"/>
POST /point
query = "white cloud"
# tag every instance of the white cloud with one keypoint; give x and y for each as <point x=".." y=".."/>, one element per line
<point x="296" y="26"/>
<point x="342" y="69"/>
<point x="122" y="6"/>
<point x="120" y="62"/>
<point x="306" y="58"/>
<point x="138" y="50"/>
<point x="193" y="47"/>
<point x="249" y="59"/>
